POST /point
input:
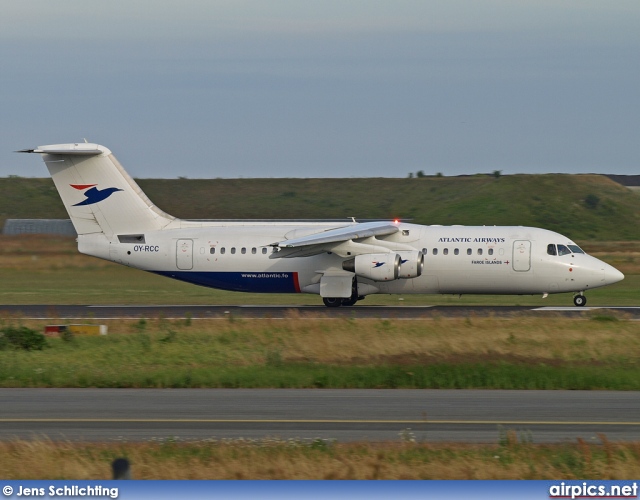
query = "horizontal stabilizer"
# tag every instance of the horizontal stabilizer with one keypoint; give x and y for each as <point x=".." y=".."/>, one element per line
<point x="79" y="149"/>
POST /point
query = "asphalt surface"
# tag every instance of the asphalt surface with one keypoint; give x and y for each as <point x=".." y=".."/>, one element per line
<point x="345" y="415"/>
<point x="320" y="311"/>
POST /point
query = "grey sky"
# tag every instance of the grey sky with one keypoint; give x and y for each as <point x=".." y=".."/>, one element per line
<point x="324" y="88"/>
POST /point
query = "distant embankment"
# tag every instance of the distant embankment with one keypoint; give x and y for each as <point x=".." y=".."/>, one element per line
<point x="584" y="207"/>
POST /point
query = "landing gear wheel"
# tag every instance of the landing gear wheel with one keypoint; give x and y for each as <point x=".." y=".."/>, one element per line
<point x="350" y="301"/>
<point x="580" y="300"/>
<point x="354" y="294"/>
<point x="332" y="301"/>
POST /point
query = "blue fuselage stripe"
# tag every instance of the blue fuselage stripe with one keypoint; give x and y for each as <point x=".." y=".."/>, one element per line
<point x="257" y="282"/>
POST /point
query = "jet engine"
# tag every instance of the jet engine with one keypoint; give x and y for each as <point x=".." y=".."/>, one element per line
<point x="411" y="264"/>
<point x="374" y="266"/>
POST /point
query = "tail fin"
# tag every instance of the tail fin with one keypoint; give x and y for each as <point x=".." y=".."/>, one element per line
<point x="97" y="192"/>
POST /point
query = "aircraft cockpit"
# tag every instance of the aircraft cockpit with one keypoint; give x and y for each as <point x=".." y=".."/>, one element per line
<point x="553" y="249"/>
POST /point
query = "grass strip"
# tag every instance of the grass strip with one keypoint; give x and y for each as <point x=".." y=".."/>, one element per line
<point x="499" y="375"/>
<point x="297" y="352"/>
<point x="512" y="457"/>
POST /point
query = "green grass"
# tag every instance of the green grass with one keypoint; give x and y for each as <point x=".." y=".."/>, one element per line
<point x="302" y="353"/>
<point x="564" y="203"/>
<point x="437" y="376"/>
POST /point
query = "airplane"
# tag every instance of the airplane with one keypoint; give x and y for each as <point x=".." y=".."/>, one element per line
<point x="342" y="262"/>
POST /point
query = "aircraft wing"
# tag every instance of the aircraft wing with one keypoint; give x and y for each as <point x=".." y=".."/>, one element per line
<point x="324" y="241"/>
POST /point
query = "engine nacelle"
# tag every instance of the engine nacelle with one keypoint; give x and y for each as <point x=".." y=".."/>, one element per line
<point x="411" y="264"/>
<point x="374" y="266"/>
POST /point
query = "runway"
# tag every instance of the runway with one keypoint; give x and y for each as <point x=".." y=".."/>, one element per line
<point x="273" y="312"/>
<point x="344" y="415"/>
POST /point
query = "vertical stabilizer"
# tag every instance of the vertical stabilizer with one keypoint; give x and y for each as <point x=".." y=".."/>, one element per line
<point x="97" y="192"/>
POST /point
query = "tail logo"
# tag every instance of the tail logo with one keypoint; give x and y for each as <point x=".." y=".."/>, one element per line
<point x="93" y="194"/>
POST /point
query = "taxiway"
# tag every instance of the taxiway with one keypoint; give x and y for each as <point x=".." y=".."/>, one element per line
<point x="307" y="414"/>
<point x="273" y="312"/>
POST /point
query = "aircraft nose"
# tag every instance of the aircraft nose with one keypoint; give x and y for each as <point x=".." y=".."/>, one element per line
<point x="612" y="275"/>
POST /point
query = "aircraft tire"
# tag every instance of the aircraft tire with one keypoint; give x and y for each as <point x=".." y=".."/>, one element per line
<point x="349" y="302"/>
<point x="580" y="300"/>
<point x="332" y="301"/>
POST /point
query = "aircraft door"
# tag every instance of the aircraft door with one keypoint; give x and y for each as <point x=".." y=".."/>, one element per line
<point x="184" y="254"/>
<point x="521" y="255"/>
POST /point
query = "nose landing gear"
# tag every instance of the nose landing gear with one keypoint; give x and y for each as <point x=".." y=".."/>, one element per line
<point x="579" y="300"/>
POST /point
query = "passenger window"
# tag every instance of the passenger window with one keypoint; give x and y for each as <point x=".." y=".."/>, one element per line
<point x="562" y="250"/>
<point x="233" y="250"/>
<point x="551" y="249"/>
<point x="479" y="251"/>
<point x="424" y="251"/>
<point x="469" y="251"/>
<point x="435" y="251"/>
<point x="222" y="250"/>
<point x="243" y="251"/>
<point x="264" y="250"/>
<point x="254" y="250"/>
<point x="212" y="250"/>
<point x="456" y="251"/>
<point x="445" y="251"/>
<point x="491" y="251"/>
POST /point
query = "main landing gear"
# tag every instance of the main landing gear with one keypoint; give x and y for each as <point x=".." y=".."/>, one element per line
<point x="579" y="300"/>
<point x="347" y="302"/>
<point x="338" y="301"/>
<point x="332" y="301"/>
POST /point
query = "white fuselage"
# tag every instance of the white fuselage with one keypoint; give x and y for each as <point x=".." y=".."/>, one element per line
<point x="340" y="261"/>
<point x="457" y="259"/>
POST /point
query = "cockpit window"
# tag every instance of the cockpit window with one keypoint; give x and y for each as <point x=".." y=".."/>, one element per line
<point x="563" y="249"/>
